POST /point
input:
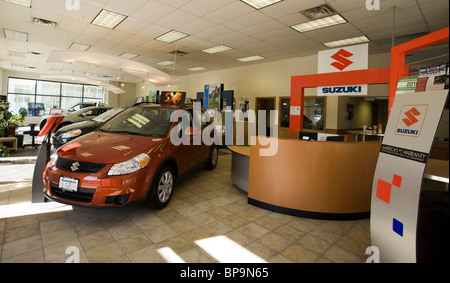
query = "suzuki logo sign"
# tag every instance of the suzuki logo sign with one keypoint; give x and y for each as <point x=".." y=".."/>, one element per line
<point x="351" y="58"/>
<point x="411" y="117"/>
<point x="411" y="120"/>
<point x="341" y="58"/>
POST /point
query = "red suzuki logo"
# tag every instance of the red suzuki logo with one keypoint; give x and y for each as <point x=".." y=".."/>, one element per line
<point x="341" y="58"/>
<point x="411" y="117"/>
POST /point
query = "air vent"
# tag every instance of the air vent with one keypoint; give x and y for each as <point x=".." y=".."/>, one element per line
<point x="319" y="12"/>
<point x="43" y="22"/>
<point x="178" y="53"/>
<point x="35" y="53"/>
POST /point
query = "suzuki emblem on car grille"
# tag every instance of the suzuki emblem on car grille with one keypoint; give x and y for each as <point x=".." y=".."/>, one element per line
<point x="75" y="166"/>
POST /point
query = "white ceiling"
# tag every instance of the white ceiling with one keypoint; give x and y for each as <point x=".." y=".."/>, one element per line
<point x="265" y="32"/>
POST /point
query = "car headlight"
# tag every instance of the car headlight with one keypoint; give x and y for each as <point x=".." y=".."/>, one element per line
<point x="71" y="134"/>
<point x="53" y="158"/>
<point x="130" y="166"/>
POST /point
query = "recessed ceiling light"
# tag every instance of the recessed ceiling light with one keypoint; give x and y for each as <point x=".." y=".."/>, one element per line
<point x="79" y="46"/>
<point x="166" y="63"/>
<point x="217" y="49"/>
<point x="25" y="3"/>
<point x="348" y="41"/>
<point x="197" y="69"/>
<point x="108" y="19"/>
<point x="17" y="35"/>
<point x="171" y="36"/>
<point x="259" y="4"/>
<point x="251" y="58"/>
<point x="320" y="23"/>
<point x="128" y="56"/>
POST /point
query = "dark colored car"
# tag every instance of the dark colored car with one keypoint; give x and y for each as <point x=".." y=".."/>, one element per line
<point x="132" y="157"/>
<point x="73" y="131"/>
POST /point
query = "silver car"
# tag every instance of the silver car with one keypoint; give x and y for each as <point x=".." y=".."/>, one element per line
<point x="84" y="114"/>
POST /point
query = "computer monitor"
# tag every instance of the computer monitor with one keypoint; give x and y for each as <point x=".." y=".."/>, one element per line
<point x="307" y="136"/>
<point x="335" y="138"/>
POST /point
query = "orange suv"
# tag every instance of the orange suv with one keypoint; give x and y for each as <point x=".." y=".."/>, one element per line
<point x="132" y="157"/>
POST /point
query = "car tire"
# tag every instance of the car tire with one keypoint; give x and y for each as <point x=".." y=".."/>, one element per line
<point x="162" y="188"/>
<point x="213" y="159"/>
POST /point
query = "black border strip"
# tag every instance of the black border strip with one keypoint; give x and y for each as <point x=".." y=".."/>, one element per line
<point x="309" y="214"/>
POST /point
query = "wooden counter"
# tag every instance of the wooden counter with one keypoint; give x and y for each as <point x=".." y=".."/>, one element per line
<point x="326" y="180"/>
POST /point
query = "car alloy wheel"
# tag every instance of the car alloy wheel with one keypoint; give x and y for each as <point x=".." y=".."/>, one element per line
<point x="165" y="186"/>
<point x="213" y="159"/>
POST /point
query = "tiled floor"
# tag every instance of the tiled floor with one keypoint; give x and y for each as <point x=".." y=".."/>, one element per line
<point x="206" y="210"/>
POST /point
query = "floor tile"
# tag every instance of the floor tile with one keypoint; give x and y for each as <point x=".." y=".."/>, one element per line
<point x="205" y="206"/>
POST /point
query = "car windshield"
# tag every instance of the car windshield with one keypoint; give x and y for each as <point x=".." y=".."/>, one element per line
<point x="108" y="114"/>
<point x="142" y="121"/>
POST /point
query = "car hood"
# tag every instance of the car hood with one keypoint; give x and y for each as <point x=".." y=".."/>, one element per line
<point x="98" y="147"/>
<point x="91" y="124"/>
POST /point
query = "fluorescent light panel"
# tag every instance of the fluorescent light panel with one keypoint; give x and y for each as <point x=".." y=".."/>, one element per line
<point x="25" y="3"/>
<point x="166" y="63"/>
<point x="128" y="56"/>
<point x="17" y="54"/>
<point x="108" y="19"/>
<point x="197" y="69"/>
<point x="172" y="36"/>
<point x="17" y="35"/>
<point x="348" y="41"/>
<point x="320" y="23"/>
<point x="251" y="58"/>
<point x="217" y="49"/>
<point x="259" y="4"/>
<point x="79" y="46"/>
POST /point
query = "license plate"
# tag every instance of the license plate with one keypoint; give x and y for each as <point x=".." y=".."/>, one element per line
<point x="68" y="184"/>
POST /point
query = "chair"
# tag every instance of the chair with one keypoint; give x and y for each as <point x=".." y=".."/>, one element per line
<point x="33" y="133"/>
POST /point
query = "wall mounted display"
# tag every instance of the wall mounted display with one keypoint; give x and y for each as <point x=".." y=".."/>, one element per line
<point x="153" y="96"/>
<point x="244" y="106"/>
<point x="173" y="98"/>
<point x="212" y="96"/>
<point x="227" y="100"/>
<point x="200" y="98"/>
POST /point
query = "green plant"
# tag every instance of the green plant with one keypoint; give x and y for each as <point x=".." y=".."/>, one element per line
<point x="4" y="151"/>
<point x="7" y="118"/>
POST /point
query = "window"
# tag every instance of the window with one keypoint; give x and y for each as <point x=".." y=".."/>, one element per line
<point x="314" y="113"/>
<point x="38" y="97"/>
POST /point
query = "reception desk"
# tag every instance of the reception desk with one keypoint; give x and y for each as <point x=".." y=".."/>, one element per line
<point x="323" y="180"/>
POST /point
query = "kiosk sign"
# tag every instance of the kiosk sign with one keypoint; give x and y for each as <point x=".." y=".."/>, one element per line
<point x="397" y="182"/>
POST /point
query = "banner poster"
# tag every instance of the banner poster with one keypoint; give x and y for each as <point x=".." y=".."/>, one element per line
<point x="213" y="94"/>
<point x="350" y="58"/>
<point x="409" y="136"/>
<point x="406" y="85"/>
<point x="433" y="78"/>
<point x="173" y="98"/>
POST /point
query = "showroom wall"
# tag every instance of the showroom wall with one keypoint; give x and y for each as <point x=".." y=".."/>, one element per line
<point x="273" y="79"/>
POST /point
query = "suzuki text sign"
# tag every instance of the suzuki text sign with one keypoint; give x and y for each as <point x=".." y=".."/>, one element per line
<point x="407" y="143"/>
<point x="343" y="59"/>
